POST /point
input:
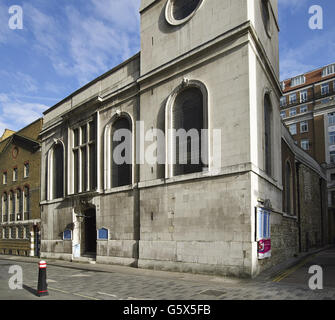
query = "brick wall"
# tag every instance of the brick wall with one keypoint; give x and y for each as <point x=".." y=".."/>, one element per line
<point x="8" y="161"/>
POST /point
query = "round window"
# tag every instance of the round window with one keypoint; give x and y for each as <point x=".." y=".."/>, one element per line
<point x="180" y="11"/>
<point x="15" y="152"/>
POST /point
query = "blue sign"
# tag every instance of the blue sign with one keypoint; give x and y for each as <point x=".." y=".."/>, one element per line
<point x="103" y="234"/>
<point x="67" y="235"/>
<point x="263" y="224"/>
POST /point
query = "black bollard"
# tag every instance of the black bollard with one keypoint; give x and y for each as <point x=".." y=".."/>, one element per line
<point x="42" y="289"/>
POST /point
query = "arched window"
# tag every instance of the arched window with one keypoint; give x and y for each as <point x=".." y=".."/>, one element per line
<point x="19" y="203"/>
<point x="58" y="171"/>
<point x="5" y="207"/>
<point x="188" y="121"/>
<point x="121" y="146"/>
<point x="12" y="203"/>
<point x="288" y="190"/>
<point x="266" y="16"/>
<point x="26" y="203"/>
<point x="268" y="134"/>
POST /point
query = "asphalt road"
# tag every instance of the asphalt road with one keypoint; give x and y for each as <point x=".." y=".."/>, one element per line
<point x="300" y="274"/>
<point x="74" y="281"/>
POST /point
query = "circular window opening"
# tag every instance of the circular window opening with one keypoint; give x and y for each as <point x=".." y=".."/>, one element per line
<point x="180" y="11"/>
<point x="266" y="16"/>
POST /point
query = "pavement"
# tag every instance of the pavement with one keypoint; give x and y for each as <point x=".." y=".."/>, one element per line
<point x="84" y="281"/>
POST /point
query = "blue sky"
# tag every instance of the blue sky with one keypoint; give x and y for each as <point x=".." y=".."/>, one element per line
<point x="67" y="43"/>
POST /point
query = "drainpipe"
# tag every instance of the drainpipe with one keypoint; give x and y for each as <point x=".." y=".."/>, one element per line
<point x="298" y="203"/>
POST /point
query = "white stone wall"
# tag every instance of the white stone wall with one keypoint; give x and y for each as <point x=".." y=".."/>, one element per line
<point x="161" y="42"/>
<point x="201" y="222"/>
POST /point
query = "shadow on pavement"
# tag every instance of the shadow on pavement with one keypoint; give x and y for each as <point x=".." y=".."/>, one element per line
<point x="30" y="290"/>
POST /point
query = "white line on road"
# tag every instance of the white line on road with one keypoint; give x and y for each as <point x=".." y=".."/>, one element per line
<point x="108" y="294"/>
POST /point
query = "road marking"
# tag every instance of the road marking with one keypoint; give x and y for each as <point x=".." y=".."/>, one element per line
<point x="81" y="295"/>
<point x="76" y="294"/>
<point x="287" y="272"/>
<point x="59" y="290"/>
<point x="108" y="294"/>
<point x="116" y="297"/>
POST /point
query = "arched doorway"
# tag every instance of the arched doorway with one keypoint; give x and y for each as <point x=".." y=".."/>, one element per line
<point x="89" y="239"/>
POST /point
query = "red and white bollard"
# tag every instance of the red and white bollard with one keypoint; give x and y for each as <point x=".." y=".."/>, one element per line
<point x="42" y="287"/>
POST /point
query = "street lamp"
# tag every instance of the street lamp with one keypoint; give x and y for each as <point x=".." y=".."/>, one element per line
<point x="80" y="217"/>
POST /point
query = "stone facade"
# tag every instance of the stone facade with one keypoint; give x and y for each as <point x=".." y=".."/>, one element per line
<point x="20" y="223"/>
<point x="202" y="221"/>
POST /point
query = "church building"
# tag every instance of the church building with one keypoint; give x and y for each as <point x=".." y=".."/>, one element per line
<point x="213" y="201"/>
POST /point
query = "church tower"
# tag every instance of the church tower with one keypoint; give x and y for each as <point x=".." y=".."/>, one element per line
<point x="214" y="64"/>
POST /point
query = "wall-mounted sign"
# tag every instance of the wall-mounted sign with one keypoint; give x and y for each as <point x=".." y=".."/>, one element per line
<point x="67" y="235"/>
<point x="103" y="234"/>
<point x="263" y="236"/>
<point x="332" y="148"/>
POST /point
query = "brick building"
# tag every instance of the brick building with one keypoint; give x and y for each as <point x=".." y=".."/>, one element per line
<point x="308" y="110"/>
<point x="20" y="166"/>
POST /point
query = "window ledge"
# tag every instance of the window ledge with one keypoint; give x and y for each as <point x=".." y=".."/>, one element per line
<point x="189" y="176"/>
<point x="51" y="201"/>
<point x="285" y="215"/>
<point x="120" y="189"/>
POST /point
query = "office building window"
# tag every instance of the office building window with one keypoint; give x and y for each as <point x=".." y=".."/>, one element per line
<point x="283" y="114"/>
<point x="324" y="88"/>
<point x="332" y="156"/>
<point x="332" y="137"/>
<point x="293" y="129"/>
<point x="283" y="101"/>
<point x="293" y="98"/>
<point x="293" y="112"/>
<point x="331" y="119"/>
<point x="303" y="96"/>
<point x="303" y="126"/>
<point x="305" y="144"/>
<point x="303" y="109"/>
<point x="296" y="81"/>
<point x="328" y="70"/>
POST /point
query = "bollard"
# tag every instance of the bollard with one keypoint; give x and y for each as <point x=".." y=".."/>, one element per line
<point x="42" y="289"/>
